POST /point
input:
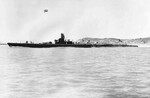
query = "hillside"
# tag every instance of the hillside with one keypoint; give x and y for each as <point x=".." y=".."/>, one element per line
<point x="137" y="41"/>
<point x="114" y="40"/>
<point x="2" y="43"/>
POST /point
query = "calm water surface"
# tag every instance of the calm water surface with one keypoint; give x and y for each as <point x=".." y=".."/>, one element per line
<point x="74" y="72"/>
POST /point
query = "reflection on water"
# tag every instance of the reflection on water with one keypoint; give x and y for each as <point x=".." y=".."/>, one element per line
<point x="74" y="72"/>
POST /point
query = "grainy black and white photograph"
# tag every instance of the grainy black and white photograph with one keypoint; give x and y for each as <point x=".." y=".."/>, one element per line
<point x="74" y="48"/>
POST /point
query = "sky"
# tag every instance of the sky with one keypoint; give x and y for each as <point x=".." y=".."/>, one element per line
<point x="22" y="20"/>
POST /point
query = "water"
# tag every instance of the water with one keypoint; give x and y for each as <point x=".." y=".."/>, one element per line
<point x="74" y="72"/>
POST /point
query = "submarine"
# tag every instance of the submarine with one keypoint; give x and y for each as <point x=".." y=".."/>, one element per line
<point x="62" y="42"/>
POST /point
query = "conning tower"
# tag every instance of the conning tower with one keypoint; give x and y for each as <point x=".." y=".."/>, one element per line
<point x="62" y="40"/>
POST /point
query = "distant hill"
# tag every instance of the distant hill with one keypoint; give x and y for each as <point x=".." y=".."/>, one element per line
<point x="138" y="41"/>
<point x="114" y="41"/>
<point x="101" y="40"/>
<point x="3" y="43"/>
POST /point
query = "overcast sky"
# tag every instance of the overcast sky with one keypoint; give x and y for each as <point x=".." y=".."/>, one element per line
<point x="22" y="20"/>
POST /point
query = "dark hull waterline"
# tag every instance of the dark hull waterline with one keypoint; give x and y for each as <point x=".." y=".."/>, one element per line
<point x="33" y="45"/>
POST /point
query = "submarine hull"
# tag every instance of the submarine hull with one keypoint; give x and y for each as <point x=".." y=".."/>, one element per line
<point x="33" y="45"/>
